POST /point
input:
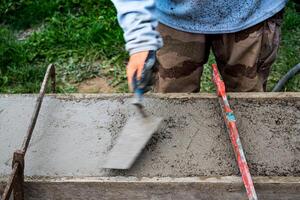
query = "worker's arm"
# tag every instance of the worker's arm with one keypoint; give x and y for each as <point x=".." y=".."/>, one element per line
<point x="137" y="19"/>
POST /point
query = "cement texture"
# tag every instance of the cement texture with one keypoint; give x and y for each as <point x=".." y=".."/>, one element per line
<point x="74" y="134"/>
<point x="132" y="140"/>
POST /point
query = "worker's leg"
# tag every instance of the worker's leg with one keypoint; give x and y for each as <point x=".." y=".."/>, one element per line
<point x="245" y="58"/>
<point x="180" y="61"/>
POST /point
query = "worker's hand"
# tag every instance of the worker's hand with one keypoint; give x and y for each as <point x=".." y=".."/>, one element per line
<point x="135" y="67"/>
<point x="139" y="70"/>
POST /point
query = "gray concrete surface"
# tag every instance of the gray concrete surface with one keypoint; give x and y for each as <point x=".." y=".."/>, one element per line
<point x="131" y="141"/>
<point x="74" y="133"/>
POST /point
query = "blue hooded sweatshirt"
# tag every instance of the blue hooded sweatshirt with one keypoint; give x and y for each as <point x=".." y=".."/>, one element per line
<point x="139" y="18"/>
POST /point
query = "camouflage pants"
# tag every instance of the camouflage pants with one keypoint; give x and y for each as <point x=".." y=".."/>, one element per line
<point x="244" y="58"/>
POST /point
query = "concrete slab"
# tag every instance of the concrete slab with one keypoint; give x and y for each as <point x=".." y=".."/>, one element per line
<point x="74" y="133"/>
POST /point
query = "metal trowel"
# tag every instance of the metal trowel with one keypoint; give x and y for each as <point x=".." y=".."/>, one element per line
<point x="138" y="129"/>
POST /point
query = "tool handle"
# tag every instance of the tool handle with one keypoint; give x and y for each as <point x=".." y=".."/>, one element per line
<point x="142" y="86"/>
<point x="138" y="97"/>
<point x="230" y="122"/>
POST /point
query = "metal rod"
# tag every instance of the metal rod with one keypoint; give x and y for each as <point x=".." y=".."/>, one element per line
<point x="9" y="185"/>
<point x="37" y="108"/>
<point x="230" y="122"/>
<point x="19" y="178"/>
<point x="16" y="179"/>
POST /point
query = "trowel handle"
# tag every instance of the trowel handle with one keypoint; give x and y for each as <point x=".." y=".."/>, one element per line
<point x="138" y="101"/>
<point x="143" y="85"/>
<point x="138" y="97"/>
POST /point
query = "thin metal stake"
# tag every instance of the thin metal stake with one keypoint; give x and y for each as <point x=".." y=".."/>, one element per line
<point x="16" y="179"/>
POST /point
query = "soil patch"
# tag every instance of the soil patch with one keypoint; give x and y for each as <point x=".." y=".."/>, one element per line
<point x="95" y="85"/>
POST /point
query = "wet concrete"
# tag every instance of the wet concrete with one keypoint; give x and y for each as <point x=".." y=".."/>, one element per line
<point x="74" y="133"/>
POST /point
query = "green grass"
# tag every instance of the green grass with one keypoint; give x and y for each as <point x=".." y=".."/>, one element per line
<point x="84" y="40"/>
<point x="289" y="51"/>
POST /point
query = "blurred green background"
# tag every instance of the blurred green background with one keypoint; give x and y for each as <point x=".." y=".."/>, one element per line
<point x="84" y="41"/>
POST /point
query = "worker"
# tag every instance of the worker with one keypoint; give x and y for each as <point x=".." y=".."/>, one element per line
<point x="243" y="36"/>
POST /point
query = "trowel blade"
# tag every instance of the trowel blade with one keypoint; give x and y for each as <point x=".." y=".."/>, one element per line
<point x="131" y="141"/>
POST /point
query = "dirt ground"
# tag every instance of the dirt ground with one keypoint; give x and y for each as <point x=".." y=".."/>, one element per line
<point x="95" y="85"/>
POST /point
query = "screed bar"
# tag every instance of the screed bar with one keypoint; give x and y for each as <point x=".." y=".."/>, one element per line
<point x="230" y="122"/>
